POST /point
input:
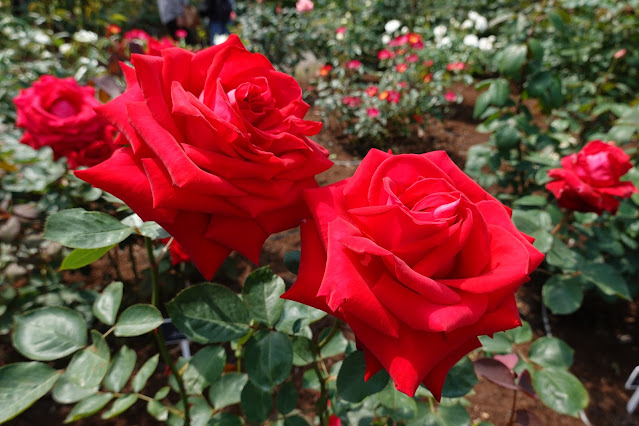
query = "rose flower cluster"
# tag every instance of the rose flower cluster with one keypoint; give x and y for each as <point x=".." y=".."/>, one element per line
<point x="410" y="252"/>
<point x="59" y="113"/>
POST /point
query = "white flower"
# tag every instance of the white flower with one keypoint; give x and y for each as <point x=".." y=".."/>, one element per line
<point x="439" y="31"/>
<point x="220" y="38"/>
<point x="485" y="43"/>
<point x="404" y="30"/>
<point x="481" y="24"/>
<point x="84" y="36"/>
<point x="386" y="39"/>
<point x="392" y="26"/>
<point x="42" y="38"/>
<point x="473" y="15"/>
<point x="467" y="24"/>
<point x="471" y="40"/>
<point x="65" y="48"/>
<point x="444" y="42"/>
<point x="339" y="36"/>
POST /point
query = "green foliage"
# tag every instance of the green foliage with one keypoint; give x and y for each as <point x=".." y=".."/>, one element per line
<point x="22" y="384"/>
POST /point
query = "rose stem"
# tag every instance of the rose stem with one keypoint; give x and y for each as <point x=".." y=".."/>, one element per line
<point x="511" y="421"/>
<point x="134" y="265"/>
<point x="164" y="352"/>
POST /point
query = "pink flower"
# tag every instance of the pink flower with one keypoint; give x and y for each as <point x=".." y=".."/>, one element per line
<point x="340" y="30"/>
<point x="399" y="41"/>
<point x="112" y="29"/>
<point x="351" y="101"/>
<point x="450" y="96"/>
<point x="136" y="34"/>
<point x="415" y="41"/>
<point x="304" y="6"/>
<point x="325" y="70"/>
<point x="181" y="34"/>
<point x="372" y="112"/>
<point x="456" y="66"/>
<point x="384" y="54"/>
<point x="620" y="53"/>
<point x="428" y="63"/>
<point x="394" y="97"/>
<point x="372" y="91"/>
<point x="402" y="84"/>
<point x="353" y="64"/>
<point x="412" y="58"/>
<point x="401" y="68"/>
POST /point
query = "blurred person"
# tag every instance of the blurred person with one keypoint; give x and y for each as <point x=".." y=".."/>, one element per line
<point x="172" y="16"/>
<point x="219" y="13"/>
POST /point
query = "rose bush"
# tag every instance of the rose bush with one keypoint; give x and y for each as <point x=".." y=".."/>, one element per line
<point x="218" y="151"/>
<point x="589" y="179"/>
<point x="417" y="259"/>
<point x="59" y="113"/>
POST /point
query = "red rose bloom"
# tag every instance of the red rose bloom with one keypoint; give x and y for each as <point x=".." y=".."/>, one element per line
<point x="57" y="112"/>
<point x="589" y="179"/>
<point x="178" y="255"/>
<point x="418" y="259"/>
<point x="218" y="151"/>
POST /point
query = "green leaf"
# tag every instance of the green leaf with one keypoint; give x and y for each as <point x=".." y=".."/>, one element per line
<point x="481" y="104"/>
<point x="557" y="21"/>
<point x="146" y="229"/>
<point x="335" y="346"/>
<point x="563" y="295"/>
<point x="551" y="352"/>
<point x="350" y="380"/>
<point x="269" y="358"/>
<point x="460" y="379"/>
<point x="225" y="419"/>
<point x="49" y="333"/>
<point x="292" y="261"/>
<point x="159" y="411"/>
<point x="106" y="306"/>
<point x="607" y="279"/>
<point x="120" y="370"/>
<point x="162" y="393"/>
<point x="531" y="201"/>
<point x="256" y="403"/>
<point x="560" y="390"/>
<point x="499" y="92"/>
<point x="137" y="320"/>
<point x="209" y="313"/>
<point x="227" y="390"/>
<point x="84" y="373"/>
<point x="80" y="258"/>
<point x="78" y="228"/>
<point x="500" y="343"/>
<point x="286" y="399"/>
<point x="295" y="421"/>
<point x="205" y="367"/>
<point x="144" y="373"/>
<point x="22" y="384"/>
<point x="120" y="405"/>
<point x="561" y="256"/>
<point x="511" y="59"/>
<point x="88" y="406"/>
<point x="521" y="334"/>
<point x="536" y="48"/>
<point x="261" y="293"/>
<point x="507" y="138"/>
<point x="296" y="318"/>
<point x="396" y="404"/>
<point x="304" y="351"/>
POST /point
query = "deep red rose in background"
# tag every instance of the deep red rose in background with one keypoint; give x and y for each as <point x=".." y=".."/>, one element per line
<point x="589" y="179"/>
<point x="218" y="149"/>
<point x="418" y="259"/>
<point x="59" y="113"/>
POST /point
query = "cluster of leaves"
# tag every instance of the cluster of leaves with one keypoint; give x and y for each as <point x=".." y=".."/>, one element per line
<point x="549" y="99"/>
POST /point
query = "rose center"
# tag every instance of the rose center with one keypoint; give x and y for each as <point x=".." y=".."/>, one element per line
<point x="63" y="108"/>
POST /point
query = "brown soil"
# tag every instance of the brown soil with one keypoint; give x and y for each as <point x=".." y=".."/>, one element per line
<point x="605" y="337"/>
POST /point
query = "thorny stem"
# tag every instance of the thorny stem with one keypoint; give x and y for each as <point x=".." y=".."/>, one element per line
<point x="164" y="352"/>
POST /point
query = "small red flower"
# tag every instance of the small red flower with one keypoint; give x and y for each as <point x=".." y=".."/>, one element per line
<point x="372" y="112"/>
<point x="428" y="63"/>
<point x="412" y="58"/>
<point x="384" y="54"/>
<point x="382" y="96"/>
<point x="181" y="34"/>
<point x="394" y="97"/>
<point x="401" y="68"/>
<point x="340" y="30"/>
<point x="112" y="29"/>
<point x="456" y="66"/>
<point x="372" y="91"/>
<point x="353" y="64"/>
<point x="351" y="101"/>
<point x="428" y="78"/>
<point x="325" y="70"/>
<point x="450" y="96"/>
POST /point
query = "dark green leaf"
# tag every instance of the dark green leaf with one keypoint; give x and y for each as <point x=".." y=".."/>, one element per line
<point x="256" y="403"/>
<point x="78" y="228"/>
<point x="286" y="399"/>
<point x="531" y="201"/>
<point x="84" y="373"/>
<point x="460" y="379"/>
<point x="144" y="373"/>
<point x="225" y="419"/>
<point x="350" y="380"/>
<point x="511" y="59"/>
<point x="209" y="313"/>
<point x="397" y="404"/>
<point x="120" y="370"/>
<point x="561" y="256"/>
<point x="560" y="390"/>
<point x="482" y="102"/>
<point x="22" y="384"/>
<point x="607" y="279"/>
<point x="88" y="406"/>
<point x="227" y="390"/>
<point x="296" y="317"/>
<point x="269" y="358"/>
<point x="261" y="293"/>
<point x="138" y="319"/>
<point x="80" y="258"/>
<point x="106" y="306"/>
<point x="204" y="368"/>
<point x="551" y="352"/>
<point x="49" y="333"/>
<point x="499" y="92"/>
<point x="303" y="351"/>
<point x="295" y="421"/>
<point x="563" y="295"/>
<point x="507" y="138"/>
<point x="120" y="405"/>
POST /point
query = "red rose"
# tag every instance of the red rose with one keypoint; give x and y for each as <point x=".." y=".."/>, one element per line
<point x="178" y="255"/>
<point x="589" y="179"/>
<point x="418" y="260"/>
<point x="218" y="149"/>
<point x="57" y="112"/>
